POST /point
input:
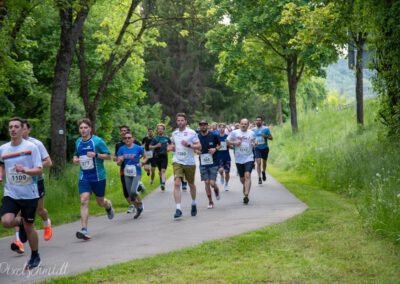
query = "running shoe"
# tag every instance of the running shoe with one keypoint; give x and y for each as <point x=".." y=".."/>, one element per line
<point x="22" y="233"/>
<point x="226" y="187"/>
<point x="246" y="200"/>
<point x="130" y="210"/>
<point x="138" y="212"/>
<point x="217" y="196"/>
<point x="264" y="176"/>
<point x="110" y="212"/>
<point x="83" y="235"/>
<point x="33" y="262"/>
<point x="48" y="232"/>
<point x="193" y="212"/>
<point x="18" y="247"/>
<point x="259" y="181"/>
<point x="178" y="214"/>
<point x="222" y="180"/>
<point x="162" y="187"/>
<point x="210" y="205"/>
<point x="184" y="185"/>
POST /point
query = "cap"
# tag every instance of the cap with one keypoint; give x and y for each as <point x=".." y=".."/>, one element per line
<point x="203" y="121"/>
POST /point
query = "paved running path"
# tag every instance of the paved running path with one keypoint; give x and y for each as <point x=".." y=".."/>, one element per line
<point x="155" y="232"/>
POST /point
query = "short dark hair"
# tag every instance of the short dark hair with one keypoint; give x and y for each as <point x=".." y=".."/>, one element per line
<point x="124" y="126"/>
<point x="181" y="114"/>
<point x="260" y="116"/>
<point x="85" y="121"/>
<point x="26" y="122"/>
<point x="150" y="128"/>
<point x="129" y="132"/>
<point x="21" y="120"/>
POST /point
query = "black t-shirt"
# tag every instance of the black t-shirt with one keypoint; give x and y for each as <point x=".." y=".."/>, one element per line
<point x="207" y="142"/>
<point x="163" y="150"/>
<point x="146" y="141"/>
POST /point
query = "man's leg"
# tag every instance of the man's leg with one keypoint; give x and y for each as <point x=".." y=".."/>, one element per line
<point x="85" y="196"/>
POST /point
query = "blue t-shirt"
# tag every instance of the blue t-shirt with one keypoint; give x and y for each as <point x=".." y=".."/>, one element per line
<point x="92" y="169"/>
<point x="223" y="155"/>
<point x="131" y="156"/>
<point x="261" y="142"/>
<point x="207" y="142"/>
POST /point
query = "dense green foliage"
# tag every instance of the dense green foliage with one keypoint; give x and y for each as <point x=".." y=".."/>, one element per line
<point x="361" y="164"/>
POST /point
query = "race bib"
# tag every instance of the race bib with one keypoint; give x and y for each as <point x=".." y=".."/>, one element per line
<point x="223" y="147"/>
<point x="245" y="149"/>
<point x="181" y="154"/>
<point x="130" y="171"/>
<point x="260" y="140"/>
<point x="149" y="154"/>
<point x="206" y="159"/>
<point x="86" y="162"/>
<point x="16" y="178"/>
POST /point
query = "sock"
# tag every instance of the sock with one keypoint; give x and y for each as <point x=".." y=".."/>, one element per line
<point x="178" y="206"/>
<point x="84" y="229"/>
<point x="17" y="236"/>
<point x="193" y="202"/>
<point x="46" y="223"/>
<point x="35" y="253"/>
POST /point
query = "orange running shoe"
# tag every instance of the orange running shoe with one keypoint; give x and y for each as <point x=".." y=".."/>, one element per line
<point x="18" y="247"/>
<point x="48" y="232"/>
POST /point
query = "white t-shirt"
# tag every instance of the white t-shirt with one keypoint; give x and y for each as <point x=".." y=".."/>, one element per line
<point x="184" y="155"/>
<point x="42" y="150"/>
<point x="244" y="152"/>
<point x="19" y="185"/>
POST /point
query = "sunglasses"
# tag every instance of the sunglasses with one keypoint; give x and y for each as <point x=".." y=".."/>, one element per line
<point x="126" y="138"/>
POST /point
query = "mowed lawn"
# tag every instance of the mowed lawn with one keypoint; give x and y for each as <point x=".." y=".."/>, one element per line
<point x="325" y="244"/>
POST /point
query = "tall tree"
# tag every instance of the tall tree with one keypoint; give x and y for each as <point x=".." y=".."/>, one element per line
<point x="134" y="34"/>
<point x="284" y="28"/>
<point x="72" y="18"/>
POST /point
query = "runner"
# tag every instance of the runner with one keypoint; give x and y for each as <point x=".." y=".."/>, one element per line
<point x="184" y="141"/>
<point x="261" y="150"/>
<point x="129" y="159"/>
<point x="243" y="140"/>
<point x="150" y="165"/>
<point x="90" y="153"/>
<point x="22" y="166"/>
<point x="224" y="157"/>
<point x="208" y="161"/>
<point x="122" y="130"/>
<point x="159" y="145"/>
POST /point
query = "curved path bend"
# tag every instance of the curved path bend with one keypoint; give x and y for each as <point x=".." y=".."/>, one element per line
<point x="155" y="232"/>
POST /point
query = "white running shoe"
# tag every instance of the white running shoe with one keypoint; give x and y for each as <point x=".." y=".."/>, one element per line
<point x="131" y="209"/>
<point x="226" y="187"/>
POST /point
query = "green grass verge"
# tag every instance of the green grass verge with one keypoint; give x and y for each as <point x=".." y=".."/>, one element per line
<point x="62" y="195"/>
<point x="325" y="244"/>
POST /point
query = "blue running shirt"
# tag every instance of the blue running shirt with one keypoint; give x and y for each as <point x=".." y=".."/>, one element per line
<point x="92" y="169"/>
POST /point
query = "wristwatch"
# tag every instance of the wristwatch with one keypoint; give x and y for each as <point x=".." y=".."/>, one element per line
<point x="96" y="155"/>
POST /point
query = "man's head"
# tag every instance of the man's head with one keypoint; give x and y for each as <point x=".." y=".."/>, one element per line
<point x="181" y="120"/>
<point x="203" y="125"/>
<point x="214" y="126"/>
<point x="150" y="131"/>
<point x="85" y="127"/>
<point x="237" y="125"/>
<point x="221" y="127"/>
<point x="160" y="128"/>
<point x="26" y="126"/>
<point x="128" y="138"/>
<point x="122" y="130"/>
<point x="259" y="121"/>
<point x="15" y="127"/>
<point x="244" y="124"/>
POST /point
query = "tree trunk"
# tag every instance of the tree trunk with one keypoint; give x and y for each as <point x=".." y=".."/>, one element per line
<point x="70" y="32"/>
<point x="279" y="111"/>
<point x="292" y="84"/>
<point x="360" y="40"/>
